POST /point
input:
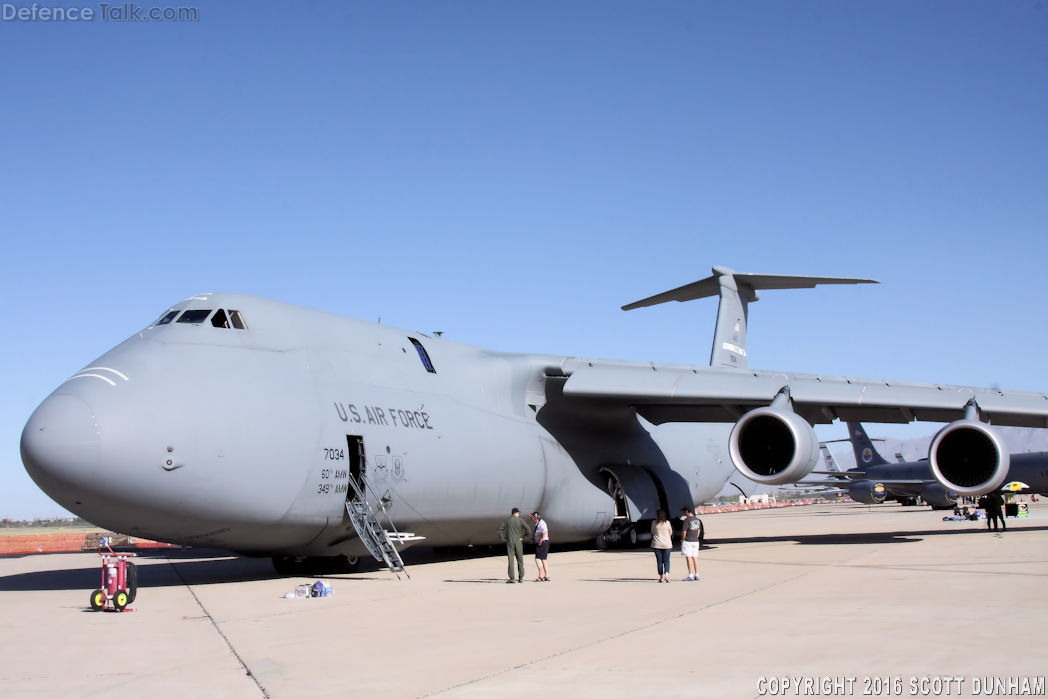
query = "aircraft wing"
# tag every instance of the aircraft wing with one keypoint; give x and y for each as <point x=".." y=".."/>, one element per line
<point x="884" y="481"/>
<point x="838" y="478"/>
<point x="677" y="393"/>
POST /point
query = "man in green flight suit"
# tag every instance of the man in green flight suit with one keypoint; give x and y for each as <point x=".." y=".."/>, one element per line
<point x="513" y="531"/>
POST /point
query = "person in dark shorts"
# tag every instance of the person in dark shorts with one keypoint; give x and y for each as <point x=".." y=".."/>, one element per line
<point x="541" y="546"/>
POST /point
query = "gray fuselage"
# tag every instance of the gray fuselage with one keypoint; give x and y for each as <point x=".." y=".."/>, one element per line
<point x="244" y="438"/>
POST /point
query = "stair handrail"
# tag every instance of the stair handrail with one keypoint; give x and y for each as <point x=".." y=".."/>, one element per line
<point x="396" y="565"/>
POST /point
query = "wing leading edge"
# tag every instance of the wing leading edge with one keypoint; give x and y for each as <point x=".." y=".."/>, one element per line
<point x="709" y="394"/>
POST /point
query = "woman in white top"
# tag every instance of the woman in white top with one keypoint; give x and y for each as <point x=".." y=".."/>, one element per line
<point x="662" y="543"/>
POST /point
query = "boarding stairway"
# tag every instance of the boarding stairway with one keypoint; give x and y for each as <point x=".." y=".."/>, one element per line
<point x="378" y="539"/>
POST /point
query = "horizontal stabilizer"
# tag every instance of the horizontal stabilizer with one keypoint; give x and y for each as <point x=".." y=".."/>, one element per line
<point x="710" y="286"/>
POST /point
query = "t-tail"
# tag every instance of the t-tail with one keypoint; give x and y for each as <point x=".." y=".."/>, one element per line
<point x="736" y="292"/>
<point x="866" y="454"/>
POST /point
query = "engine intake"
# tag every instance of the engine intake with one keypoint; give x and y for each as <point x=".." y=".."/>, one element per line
<point x="967" y="458"/>
<point x="772" y="446"/>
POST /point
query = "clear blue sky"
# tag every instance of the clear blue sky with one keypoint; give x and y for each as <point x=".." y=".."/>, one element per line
<point x="512" y="173"/>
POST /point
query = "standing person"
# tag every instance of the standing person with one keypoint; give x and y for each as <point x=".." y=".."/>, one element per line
<point x="541" y="546"/>
<point x="662" y="544"/>
<point x="513" y="530"/>
<point x="994" y="511"/>
<point x="689" y="542"/>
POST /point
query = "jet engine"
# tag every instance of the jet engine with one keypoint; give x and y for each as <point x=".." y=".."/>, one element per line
<point x="772" y="446"/>
<point x="967" y="458"/>
<point x="937" y="496"/>
<point x="867" y="492"/>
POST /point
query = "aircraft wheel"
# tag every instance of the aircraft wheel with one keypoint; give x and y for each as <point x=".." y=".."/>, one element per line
<point x="350" y="563"/>
<point x="98" y="600"/>
<point x="286" y="565"/>
<point x="633" y="536"/>
<point x="120" y="600"/>
<point x="601" y="542"/>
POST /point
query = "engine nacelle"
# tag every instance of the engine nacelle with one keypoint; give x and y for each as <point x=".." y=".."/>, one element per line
<point x="772" y="446"/>
<point x="937" y="496"/>
<point x="867" y="492"/>
<point x="967" y="458"/>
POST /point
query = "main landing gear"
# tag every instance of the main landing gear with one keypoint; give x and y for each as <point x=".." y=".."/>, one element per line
<point x="315" y="565"/>
<point x="624" y="535"/>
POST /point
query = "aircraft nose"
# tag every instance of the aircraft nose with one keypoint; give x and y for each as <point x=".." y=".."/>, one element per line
<point x="60" y="445"/>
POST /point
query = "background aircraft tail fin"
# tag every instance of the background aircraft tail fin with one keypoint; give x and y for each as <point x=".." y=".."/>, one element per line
<point x="736" y="291"/>
<point x="828" y="461"/>
<point x="865" y="453"/>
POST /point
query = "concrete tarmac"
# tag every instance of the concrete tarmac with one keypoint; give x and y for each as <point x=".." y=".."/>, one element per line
<point x="827" y="600"/>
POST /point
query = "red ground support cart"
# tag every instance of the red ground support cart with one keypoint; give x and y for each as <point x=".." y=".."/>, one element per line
<point x="119" y="580"/>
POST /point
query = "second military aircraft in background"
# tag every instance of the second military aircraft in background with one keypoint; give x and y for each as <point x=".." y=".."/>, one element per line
<point x="874" y="479"/>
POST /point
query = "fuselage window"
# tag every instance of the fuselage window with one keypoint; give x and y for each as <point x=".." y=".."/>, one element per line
<point x="237" y="320"/>
<point x="423" y="355"/>
<point x="195" y="316"/>
<point x="167" y="318"/>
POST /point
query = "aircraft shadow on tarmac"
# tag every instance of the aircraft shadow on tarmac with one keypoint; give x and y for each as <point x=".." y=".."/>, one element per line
<point x="217" y="567"/>
<point x="188" y="566"/>
<point x="204" y="566"/>
<point x="85" y="579"/>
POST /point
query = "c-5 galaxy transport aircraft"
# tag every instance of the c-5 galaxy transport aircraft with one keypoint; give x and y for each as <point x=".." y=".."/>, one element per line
<point x="269" y="429"/>
<point x="875" y="479"/>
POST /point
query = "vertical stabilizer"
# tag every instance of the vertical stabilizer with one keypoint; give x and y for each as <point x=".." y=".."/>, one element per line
<point x="736" y="292"/>
<point x="828" y="462"/>
<point x="866" y="454"/>
<point x="729" y="335"/>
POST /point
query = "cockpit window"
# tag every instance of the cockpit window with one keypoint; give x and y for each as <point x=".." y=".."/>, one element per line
<point x="166" y="318"/>
<point x="231" y="320"/>
<point x="222" y="318"/>
<point x="195" y="316"/>
<point x="219" y="320"/>
<point x="423" y="355"/>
